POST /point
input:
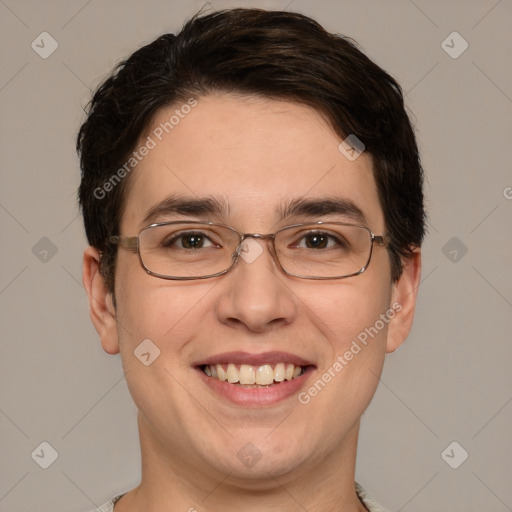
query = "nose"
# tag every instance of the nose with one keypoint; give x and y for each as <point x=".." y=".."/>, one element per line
<point x="256" y="295"/>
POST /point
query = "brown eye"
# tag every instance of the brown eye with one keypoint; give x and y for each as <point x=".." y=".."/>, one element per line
<point x="316" y="241"/>
<point x="189" y="240"/>
<point x="320" y="240"/>
<point x="192" y="241"/>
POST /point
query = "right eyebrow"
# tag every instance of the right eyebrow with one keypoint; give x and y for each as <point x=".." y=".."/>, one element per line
<point x="201" y="206"/>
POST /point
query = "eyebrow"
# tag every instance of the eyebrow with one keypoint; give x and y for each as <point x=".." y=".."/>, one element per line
<point x="319" y="207"/>
<point x="218" y="206"/>
<point x="180" y="205"/>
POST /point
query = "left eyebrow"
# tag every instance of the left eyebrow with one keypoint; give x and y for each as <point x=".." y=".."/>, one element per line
<point x="318" y="207"/>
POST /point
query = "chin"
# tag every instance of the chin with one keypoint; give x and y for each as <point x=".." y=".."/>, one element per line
<point x="255" y="464"/>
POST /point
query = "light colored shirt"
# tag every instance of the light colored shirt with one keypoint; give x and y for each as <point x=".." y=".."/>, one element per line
<point x="368" y="502"/>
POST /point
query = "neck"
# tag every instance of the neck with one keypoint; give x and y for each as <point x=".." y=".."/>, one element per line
<point x="326" y="484"/>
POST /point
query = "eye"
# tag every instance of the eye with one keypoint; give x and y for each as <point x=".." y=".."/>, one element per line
<point x="188" y="240"/>
<point x="321" y="240"/>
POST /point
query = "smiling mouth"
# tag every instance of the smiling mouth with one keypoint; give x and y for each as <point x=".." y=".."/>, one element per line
<point x="253" y="376"/>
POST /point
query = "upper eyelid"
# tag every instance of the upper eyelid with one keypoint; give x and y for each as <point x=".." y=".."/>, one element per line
<point x="336" y="236"/>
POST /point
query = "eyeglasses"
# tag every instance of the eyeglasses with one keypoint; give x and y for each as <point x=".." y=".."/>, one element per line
<point x="184" y="250"/>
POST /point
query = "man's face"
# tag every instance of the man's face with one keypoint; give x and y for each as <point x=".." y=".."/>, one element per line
<point x="254" y="156"/>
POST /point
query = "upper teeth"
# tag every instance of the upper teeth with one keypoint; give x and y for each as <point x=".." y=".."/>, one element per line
<point x="263" y="375"/>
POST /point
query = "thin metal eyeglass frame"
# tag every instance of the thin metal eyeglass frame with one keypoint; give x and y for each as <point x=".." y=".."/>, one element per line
<point x="132" y="243"/>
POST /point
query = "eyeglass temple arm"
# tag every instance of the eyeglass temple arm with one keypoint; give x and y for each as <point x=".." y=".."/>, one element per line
<point x="379" y="239"/>
<point x="129" y="242"/>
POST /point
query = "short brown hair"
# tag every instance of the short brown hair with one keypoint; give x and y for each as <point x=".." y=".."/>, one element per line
<point x="274" y="54"/>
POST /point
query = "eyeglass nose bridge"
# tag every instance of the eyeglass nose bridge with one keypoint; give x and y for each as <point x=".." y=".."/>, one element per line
<point x="261" y="236"/>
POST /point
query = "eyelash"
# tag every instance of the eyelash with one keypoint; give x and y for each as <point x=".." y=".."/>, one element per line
<point x="175" y="237"/>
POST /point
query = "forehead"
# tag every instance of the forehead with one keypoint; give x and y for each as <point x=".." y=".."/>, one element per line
<point x="253" y="156"/>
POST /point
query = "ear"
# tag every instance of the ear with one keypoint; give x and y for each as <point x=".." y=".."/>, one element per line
<point x="404" y="295"/>
<point x="101" y="305"/>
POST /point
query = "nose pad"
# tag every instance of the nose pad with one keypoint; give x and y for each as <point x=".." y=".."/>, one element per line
<point x="252" y="247"/>
<point x="236" y="253"/>
<point x="250" y="250"/>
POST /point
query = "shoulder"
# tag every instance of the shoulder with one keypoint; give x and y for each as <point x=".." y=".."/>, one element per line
<point x="109" y="506"/>
<point x="368" y="502"/>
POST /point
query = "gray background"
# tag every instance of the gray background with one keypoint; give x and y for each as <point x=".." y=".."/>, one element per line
<point x="451" y="381"/>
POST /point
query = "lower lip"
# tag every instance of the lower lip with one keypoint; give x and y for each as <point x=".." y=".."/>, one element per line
<point x="256" y="396"/>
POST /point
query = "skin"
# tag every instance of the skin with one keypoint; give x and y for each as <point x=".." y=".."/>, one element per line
<point x="254" y="153"/>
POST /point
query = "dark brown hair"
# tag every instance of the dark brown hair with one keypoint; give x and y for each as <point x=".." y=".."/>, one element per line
<point x="274" y="54"/>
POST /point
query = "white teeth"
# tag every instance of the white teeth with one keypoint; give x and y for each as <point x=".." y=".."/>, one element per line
<point x="288" y="374"/>
<point x="247" y="375"/>
<point x="265" y="375"/>
<point x="221" y="374"/>
<point x="279" y="372"/>
<point x="232" y="373"/>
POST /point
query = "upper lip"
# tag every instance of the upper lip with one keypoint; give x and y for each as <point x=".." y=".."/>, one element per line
<point x="254" y="359"/>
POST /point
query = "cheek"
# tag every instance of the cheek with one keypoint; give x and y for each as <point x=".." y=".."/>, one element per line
<point x="347" y="309"/>
<point x="170" y="316"/>
<point x="353" y="317"/>
<point x="165" y="312"/>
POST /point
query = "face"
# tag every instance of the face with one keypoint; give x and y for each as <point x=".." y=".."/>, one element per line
<point x="255" y="157"/>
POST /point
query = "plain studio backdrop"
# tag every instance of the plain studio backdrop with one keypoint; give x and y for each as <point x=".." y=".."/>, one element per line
<point x="437" y="435"/>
